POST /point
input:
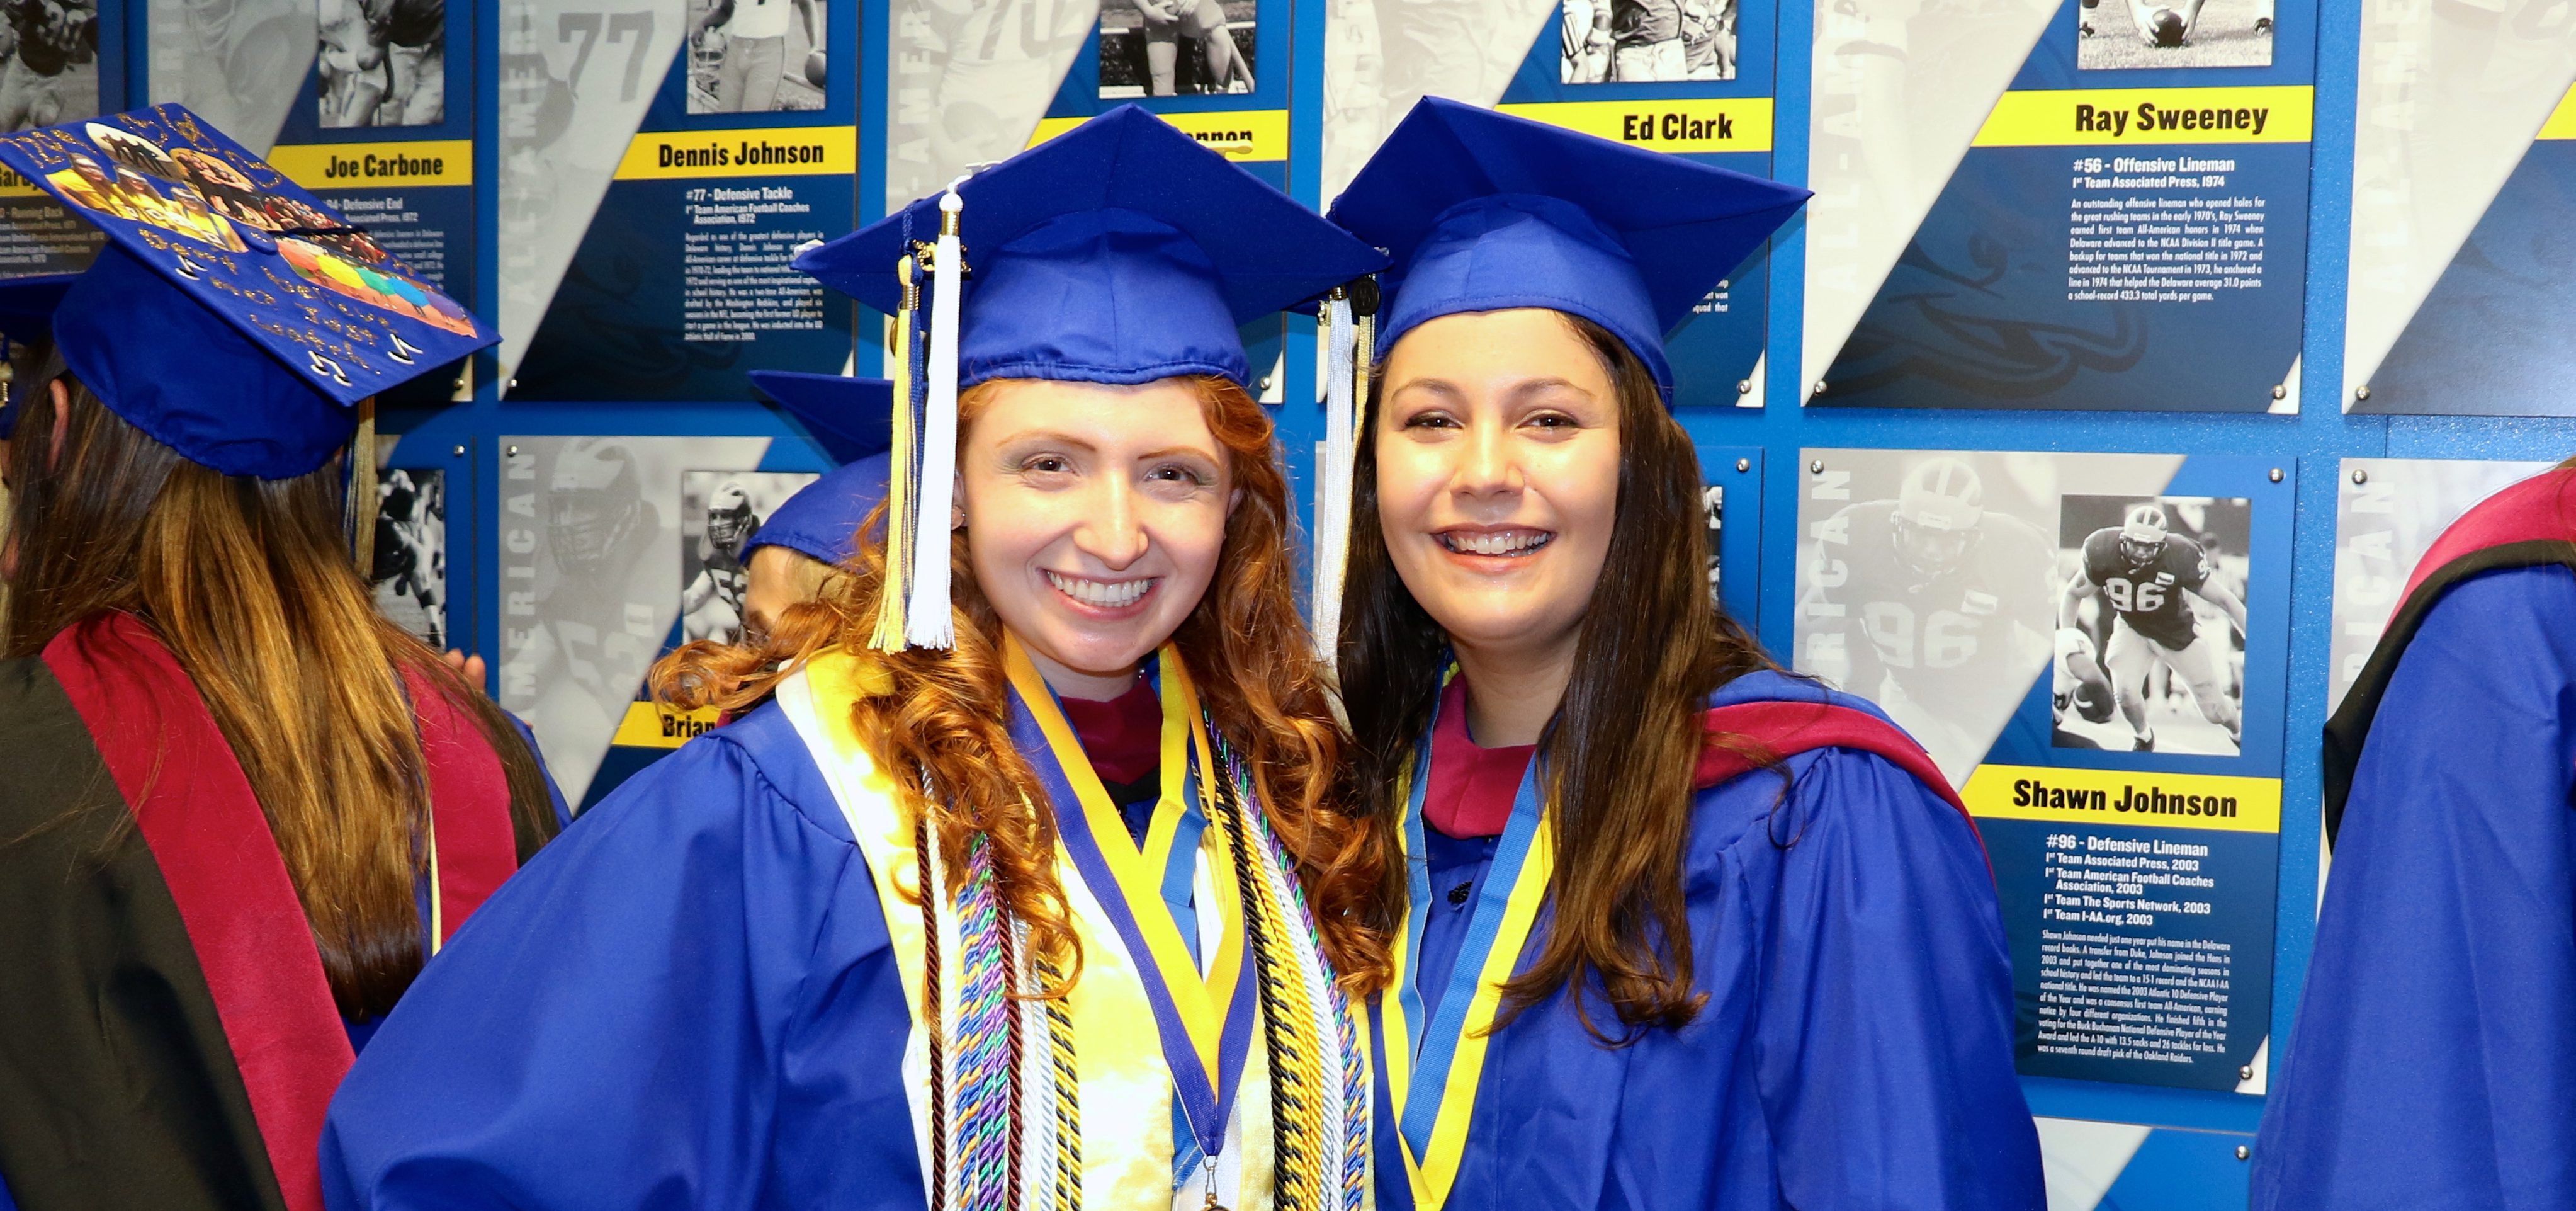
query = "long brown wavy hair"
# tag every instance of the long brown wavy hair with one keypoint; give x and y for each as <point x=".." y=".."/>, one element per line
<point x="1245" y="648"/>
<point x="251" y="586"/>
<point x="1622" y="748"/>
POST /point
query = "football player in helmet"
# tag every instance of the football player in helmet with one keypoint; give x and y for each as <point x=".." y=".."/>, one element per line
<point x="711" y="606"/>
<point x="594" y="503"/>
<point x="45" y="39"/>
<point x="2143" y="570"/>
<point x="2164" y="25"/>
<point x="1932" y="606"/>
<point x="574" y="669"/>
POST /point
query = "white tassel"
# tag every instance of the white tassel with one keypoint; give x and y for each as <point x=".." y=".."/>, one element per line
<point x="1333" y="477"/>
<point x="926" y="622"/>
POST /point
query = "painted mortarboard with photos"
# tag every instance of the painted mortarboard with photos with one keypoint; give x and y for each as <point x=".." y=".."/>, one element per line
<point x="232" y="232"/>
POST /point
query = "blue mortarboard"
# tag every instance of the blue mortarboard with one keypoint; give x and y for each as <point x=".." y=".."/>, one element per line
<point x="822" y="519"/>
<point x="851" y="418"/>
<point x="230" y="314"/>
<point x="1122" y="251"/>
<point x="1482" y="211"/>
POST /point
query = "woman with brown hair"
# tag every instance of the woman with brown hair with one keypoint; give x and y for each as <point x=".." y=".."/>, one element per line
<point x="244" y="808"/>
<point x="1681" y="931"/>
<point x="1001" y="899"/>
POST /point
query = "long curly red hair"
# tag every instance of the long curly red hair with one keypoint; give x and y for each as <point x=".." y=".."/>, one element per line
<point x="1245" y="647"/>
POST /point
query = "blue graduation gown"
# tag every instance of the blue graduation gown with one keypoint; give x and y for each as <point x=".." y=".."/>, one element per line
<point x="1856" y="1050"/>
<point x="2433" y="1065"/>
<point x="689" y="1000"/>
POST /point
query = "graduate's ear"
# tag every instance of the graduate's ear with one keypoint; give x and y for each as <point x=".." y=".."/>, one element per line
<point x="1231" y="501"/>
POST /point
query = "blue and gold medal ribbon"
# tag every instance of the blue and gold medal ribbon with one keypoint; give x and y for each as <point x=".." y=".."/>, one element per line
<point x="1432" y="1067"/>
<point x="1205" y="1022"/>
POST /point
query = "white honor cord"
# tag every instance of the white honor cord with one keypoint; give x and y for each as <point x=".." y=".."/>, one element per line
<point x="926" y="618"/>
<point x="1333" y="479"/>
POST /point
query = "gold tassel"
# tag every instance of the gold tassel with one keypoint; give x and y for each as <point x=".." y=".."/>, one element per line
<point x="901" y="491"/>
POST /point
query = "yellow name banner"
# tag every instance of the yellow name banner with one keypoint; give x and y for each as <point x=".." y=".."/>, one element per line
<point x="2093" y="796"/>
<point x="2092" y="117"/>
<point x="1678" y="124"/>
<point x="14" y="186"/>
<point x="2562" y="120"/>
<point x="377" y="165"/>
<point x="649" y="726"/>
<point x="1247" y="135"/>
<point x="792" y="151"/>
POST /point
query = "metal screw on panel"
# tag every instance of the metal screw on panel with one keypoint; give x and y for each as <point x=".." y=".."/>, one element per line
<point x="1816" y="467"/>
<point x="2245" y="1073"/>
<point x="1743" y="465"/>
<point x="1263" y="385"/>
<point x="2242" y="1152"/>
<point x="2360" y="476"/>
<point x="2361" y="392"/>
<point x="514" y="451"/>
<point x="460" y="383"/>
<point x="2280" y="391"/>
<point x="2276" y="475"/>
<point x="514" y="385"/>
<point x="460" y="451"/>
<point x="1820" y="387"/>
<point x="1744" y="386"/>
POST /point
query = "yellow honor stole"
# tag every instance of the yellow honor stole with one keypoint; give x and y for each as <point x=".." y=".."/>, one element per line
<point x="1432" y="1063"/>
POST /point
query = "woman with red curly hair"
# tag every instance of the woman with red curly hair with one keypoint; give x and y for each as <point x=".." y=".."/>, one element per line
<point x="1013" y="916"/>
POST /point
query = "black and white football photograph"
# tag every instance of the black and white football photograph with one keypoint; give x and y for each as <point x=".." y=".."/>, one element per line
<point x="2150" y="623"/>
<point x="2128" y="34"/>
<point x="1177" y="48"/>
<point x="1923" y="580"/>
<point x="410" y="571"/>
<point x="1645" y="41"/>
<point x="48" y="62"/>
<point x="382" y="63"/>
<point x="1712" y="501"/>
<point x="756" y="56"/>
<point x="719" y="512"/>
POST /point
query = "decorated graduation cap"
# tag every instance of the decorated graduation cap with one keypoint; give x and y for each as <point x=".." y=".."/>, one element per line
<point x="230" y="315"/>
<point x="852" y="419"/>
<point x="1481" y="211"/>
<point x="1120" y="252"/>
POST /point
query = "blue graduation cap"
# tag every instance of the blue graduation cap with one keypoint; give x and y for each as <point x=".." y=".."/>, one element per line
<point x="822" y="518"/>
<point x="1120" y="252"/>
<point x="1482" y="211"/>
<point x="230" y="314"/>
<point x="851" y="418"/>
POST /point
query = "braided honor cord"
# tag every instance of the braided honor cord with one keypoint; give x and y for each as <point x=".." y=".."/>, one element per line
<point x="1298" y="1096"/>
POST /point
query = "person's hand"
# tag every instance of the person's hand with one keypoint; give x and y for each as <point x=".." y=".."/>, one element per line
<point x="471" y="668"/>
